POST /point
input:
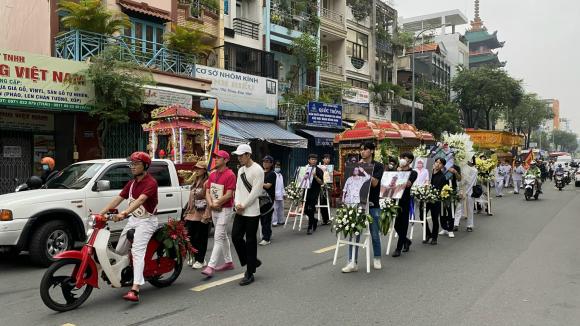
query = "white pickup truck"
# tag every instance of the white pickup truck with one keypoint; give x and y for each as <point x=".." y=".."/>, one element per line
<point x="48" y="221"/>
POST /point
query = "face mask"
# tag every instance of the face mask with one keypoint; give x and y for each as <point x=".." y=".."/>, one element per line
<point x="45" y="167"/>
<point x="277" y="170"/>
<point x="391" y="166"/>
<point x="402" y="162"/>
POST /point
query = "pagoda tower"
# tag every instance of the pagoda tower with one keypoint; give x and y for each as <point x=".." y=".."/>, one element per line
<point x="482" y="44"/>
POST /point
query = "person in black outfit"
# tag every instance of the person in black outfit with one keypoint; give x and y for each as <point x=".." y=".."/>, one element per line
<point x="438" y="180"/>
<point x="270" y="187"/>
<point x="323" y="199"/>
<point x="313" y="193"/>
<point x="402" y="220"/>
<point x="448" y="220"/>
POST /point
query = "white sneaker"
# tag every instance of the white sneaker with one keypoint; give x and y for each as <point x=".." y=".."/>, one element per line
<point x="198" y="265"/>
<point x="190" y="260"/>
<point x="350" y="267"/>
<point x="443" y="232"/>
<point x="377" y="263"/>
<point x="264" y="243"/>
<point x="451" y="235"/>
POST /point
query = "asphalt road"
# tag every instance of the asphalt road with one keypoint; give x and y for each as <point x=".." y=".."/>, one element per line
<point x="519" y="267"/>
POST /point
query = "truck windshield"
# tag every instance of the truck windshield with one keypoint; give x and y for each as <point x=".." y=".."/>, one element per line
<point x="75" y="176"/>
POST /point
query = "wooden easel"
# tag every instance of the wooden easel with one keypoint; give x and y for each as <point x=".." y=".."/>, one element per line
<point x="297" y="213"/>
<point x="391" y="233"/>
<point x="413" y="220"/>
<point x="366" y="245"/>
<point x="326" y="206"/>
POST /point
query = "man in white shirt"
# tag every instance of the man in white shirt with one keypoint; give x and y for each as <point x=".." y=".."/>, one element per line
<point x="517" y="176"/>
<point x="278" y="217"/>
<point x="508" y="173"/>
<point x="499" y="180"/>
<point x="248" y="188"/>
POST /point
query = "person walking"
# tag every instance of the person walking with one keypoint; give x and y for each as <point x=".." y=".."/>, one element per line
<point x="499" y="180"/>
<point x="313" y="193"/>
<point x="402" y="219"/>
<point x="248" y="188"/>
<point x="438" y="180"/>
<point x="270" y="187"/>
<point x="198" y="215"/>
<point x="278" y="215"/>
<point x="324" y="200"/>
<point x="448" y="208"/>
<point x="367" y="153"/>
<point x="468" y="181"/>
<point x="219" y="196"/>
<point x="507" y="169"/>
<point x="517" y="176"/>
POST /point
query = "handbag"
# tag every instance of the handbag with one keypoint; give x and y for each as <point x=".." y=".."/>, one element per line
<point x="477" y="191"/>
<point x="266" y="204"/>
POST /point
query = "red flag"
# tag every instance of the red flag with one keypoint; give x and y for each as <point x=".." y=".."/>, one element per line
<point x="529" y="159"/>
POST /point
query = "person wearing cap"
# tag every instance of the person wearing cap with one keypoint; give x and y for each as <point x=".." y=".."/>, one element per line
<point x="249" y="186"/>
<point x="278" y="217"/>
<point x="220" y="199"/>
<point x="270" y="187"/>
<point x="313" y="193"/>
<point x="517" y="176"/>
<point x="198" y="215"/>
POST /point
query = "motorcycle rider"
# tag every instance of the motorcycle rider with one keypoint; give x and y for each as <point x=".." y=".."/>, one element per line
<point x="48" y="171"/>
<point x="535" y="171"/>
<point x="142" y="195"/>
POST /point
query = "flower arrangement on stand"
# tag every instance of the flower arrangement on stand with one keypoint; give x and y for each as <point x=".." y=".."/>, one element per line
<point x="389" y="211"/>
<point x="175" y="239"/>
<point x="421" y="151"/>
<point x="294" y="193"/>
<point x="448" y="195"/>
<point x="485" y="169"/>
<point x="462" y="147"/>
<point x="351" y="221"/>
<point x="425" y="194"/>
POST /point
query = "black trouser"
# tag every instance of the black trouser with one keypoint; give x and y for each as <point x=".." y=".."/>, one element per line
<point x="247" y="249"/>
<point x="198" y="236"/>
<point x="266" y="221"/>
<point x="447" y="220"/>
<point x="310" y="210"/>
<point x="402" y="224"/>
<point x="435" y="209"/>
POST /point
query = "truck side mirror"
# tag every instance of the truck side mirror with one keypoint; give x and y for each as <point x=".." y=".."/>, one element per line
<point x="103" y="185"/>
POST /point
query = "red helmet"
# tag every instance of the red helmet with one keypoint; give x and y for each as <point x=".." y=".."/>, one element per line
<point x="48" y="161"/>
<point x="142" y="157"/>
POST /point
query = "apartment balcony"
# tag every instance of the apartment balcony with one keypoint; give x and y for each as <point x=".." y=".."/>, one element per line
<point x="292" y="112"/>
<point x="384" y="47"/>
<point x="331" y="71"/>
<point x="247" y="28"/>
<point x="288" y="25"/>
<point x="333" y="22"/>
<point x="80" y="46"/>
<point x="197" y="15"/>
<point x="354" y="112"/>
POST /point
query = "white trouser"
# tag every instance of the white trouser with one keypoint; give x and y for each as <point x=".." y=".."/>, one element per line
<point x="506" y="181"/>
<point x="517" y="185"/>
<point x="278" y="216"/>
<point x="221" y="242"/>
<point x="469" y="202"/>
<point x="499" y="187"/>
<point x="144" y="229"/>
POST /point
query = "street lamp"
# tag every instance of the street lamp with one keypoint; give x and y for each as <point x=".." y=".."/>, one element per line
<point x="413" y="69"/>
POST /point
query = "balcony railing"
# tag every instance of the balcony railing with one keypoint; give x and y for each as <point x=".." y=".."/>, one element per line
<point x="247" y="28"/>
<point x="332" y="16"/>
<point x="351" y="109"/>
<point x="292" y="112"/>
<point x="384" y="47"/>
<point x="195" y="7"/>
<point x="80" y="46"/>
<point x="293" y="20"/>
<point x="284" y="87"/>
<point x="331" y="68"/>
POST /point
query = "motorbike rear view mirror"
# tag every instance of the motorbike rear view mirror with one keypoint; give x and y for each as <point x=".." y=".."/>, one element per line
<point x="103" y="185"/>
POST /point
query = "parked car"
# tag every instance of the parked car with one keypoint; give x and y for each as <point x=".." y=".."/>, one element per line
<point x="48" y="221"/>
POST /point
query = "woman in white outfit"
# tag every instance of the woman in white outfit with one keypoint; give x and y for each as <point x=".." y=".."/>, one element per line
<point x="517" y="176"/>
<point x="468" y="181"/>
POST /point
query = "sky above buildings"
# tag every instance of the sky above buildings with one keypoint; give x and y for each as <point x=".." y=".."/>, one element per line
<point x="542" y="42"/>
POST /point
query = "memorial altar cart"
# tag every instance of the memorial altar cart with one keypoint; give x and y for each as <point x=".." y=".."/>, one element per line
<point x="185" y="136"/>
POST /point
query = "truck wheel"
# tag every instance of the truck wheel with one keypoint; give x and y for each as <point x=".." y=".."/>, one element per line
<point x="50" y="239"/>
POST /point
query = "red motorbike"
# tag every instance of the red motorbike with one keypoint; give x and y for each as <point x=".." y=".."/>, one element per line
<point x="69" y="281"/>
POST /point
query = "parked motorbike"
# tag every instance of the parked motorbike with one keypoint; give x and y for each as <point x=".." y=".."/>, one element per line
<point x="530" y="187"/>
<point x="559" y="180"/>
<point x="69" y="281"/>
<point x="32" y="183"/>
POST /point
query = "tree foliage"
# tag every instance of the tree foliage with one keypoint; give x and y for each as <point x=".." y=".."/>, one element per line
<point x="439" y="115"/>
<point x="186" y="40"/>
<point x="484" y="94"/>
<point x="528" y="116"/>
<point x="566" y="141"/>
<point x="92" y="16"/>
<point x="361" y="9"/>
<point x="119" y="89"/>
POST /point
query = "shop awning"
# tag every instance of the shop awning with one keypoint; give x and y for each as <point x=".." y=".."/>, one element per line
<point x="321" y="138"/>
<point x="264" y="130"/>
<point x="230" y="137"/>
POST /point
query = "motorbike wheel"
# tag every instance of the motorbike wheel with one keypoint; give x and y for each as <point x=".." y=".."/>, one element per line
<point x="536" y="196"/>
<point x="166" y="280"/>
<point x="57" y="288"/>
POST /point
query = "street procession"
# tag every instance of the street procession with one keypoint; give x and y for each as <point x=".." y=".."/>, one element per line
<point x="287" y="162"/>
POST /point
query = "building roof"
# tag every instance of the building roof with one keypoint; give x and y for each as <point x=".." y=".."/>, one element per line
<point x="145" y="9"/>
<point x="429" y="47"/>
<point x="418" y="23"/>
<point x="483" y="59"/>
<point x="483" y="36"/>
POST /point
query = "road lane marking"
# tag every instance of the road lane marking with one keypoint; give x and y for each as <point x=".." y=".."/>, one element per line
<point x="329" y="248"/>
<point x="204" y="287"/>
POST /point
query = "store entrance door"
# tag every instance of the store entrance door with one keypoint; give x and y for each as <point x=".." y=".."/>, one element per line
<point x="15" y="159"/>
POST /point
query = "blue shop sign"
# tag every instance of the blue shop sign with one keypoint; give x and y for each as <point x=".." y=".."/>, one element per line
<point x="323" y="114"/>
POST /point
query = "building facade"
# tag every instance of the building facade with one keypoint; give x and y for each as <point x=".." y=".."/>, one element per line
<point x="482" y="44"/>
